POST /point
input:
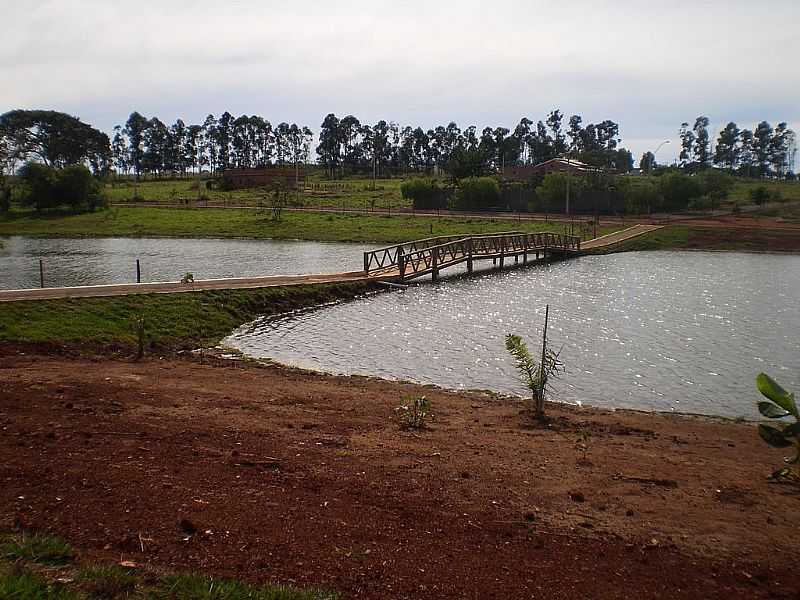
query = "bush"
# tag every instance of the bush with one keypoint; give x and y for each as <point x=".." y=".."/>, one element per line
<point x="414" y="412"/>
<point x="553" y="190"/>
<point x="47" y="188"/>
<point x="77" y="187"/>
<point x="759" y="195"/>
<point x="716" y="184"/>
<point x="678" y="190"/>
<point x="477" y="193"/>
<point x="424" y="193"/>
<point x="642" y="197"/>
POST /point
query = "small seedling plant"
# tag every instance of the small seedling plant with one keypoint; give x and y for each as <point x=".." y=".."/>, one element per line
<point x="780" y="404"/>
<point x="414" y="412"/>
<point x="534" y="375"/>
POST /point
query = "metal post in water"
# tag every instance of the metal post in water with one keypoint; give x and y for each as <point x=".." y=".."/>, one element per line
<point x="138" y="272"/>
<point x="41" y="273"/>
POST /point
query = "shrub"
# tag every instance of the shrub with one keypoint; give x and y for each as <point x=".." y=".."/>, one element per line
<point x="678" y="190"/>
<point x="423" y="192"/>
<point x="47" y="188"/>
<point x="716" y="184"/>
<point x="414" y="412"/>
<point x="642" y="197"/>
<point x="77" y="187"/>
<point x="553" y="190"/>
<point x="477" y="193"/>
<point x="759" y="195"/>
<point x="779" y="405"/>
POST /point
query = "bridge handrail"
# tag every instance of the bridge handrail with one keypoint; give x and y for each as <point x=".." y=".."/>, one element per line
<point x="392" y="256"/>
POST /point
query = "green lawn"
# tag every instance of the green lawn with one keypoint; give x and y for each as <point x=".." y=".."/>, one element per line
<point x="172" y="321"/>
<point x="174" y="222"/>
<point x="26" y="573"/>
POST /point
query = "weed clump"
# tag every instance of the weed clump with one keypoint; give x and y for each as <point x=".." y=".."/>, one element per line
<point x="414" y="412"/>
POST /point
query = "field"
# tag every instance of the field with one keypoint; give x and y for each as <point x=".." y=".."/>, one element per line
<point x="175" y="222"/>
<point x="359" y="195"/>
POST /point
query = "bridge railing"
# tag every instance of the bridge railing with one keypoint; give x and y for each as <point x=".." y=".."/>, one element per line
<point x="431" y="254"/>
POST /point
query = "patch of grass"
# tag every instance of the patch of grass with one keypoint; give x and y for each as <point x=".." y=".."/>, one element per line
<point x="222" y="223"/>
<point x="172" y="321"/>
<point x="107" y="582"/>
<point x="20" y="584"/>
<point x="198" y="587"/>
<point x="37" y="548"/>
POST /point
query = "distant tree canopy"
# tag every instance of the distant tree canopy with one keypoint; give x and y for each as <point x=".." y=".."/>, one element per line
<point x="149" y="146"/>
<point x="348" y="146"/>
<point x="760" y="152"/>
<point x="56" y="139"/>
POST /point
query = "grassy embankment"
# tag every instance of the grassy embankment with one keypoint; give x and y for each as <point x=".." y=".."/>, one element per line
<point x="38" y="567"/>
<point x="172" y="321"/>
<point x="222" y="223"/>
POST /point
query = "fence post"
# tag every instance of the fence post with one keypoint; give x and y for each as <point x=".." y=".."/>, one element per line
<point x="41" y="273"/>
<point x="469" y="254"/>
<point x="401" y="264"/>
<point x="138" y="272"/>
<point x="366" y="263"/>
<point x="434" y="263"/>
<point x="502" y="251"/>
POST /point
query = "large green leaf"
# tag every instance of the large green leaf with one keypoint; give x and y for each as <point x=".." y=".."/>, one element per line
<point x="772" y="390"/>
<point x="774" y="437"/>
<point x="771" y="410"/>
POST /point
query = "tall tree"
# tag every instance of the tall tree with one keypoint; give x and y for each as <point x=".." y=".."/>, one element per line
<point x="687" y="143"/>
<point x="726" y="153"/>
<point x="702" y="154"/>
<point x="135" y="128"/>
<point x="762" y="146"/>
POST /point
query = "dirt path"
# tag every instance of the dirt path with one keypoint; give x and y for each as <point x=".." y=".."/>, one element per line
<point x="618" y="236"/>
<point x="297" y="477"/>
<point x="173" y="287"/>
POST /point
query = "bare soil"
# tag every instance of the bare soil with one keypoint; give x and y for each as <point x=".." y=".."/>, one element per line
<point x="271" y="474"/>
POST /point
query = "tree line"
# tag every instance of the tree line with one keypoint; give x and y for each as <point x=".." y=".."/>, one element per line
<point x="347" y="146"/>
<point x="763" y="151"/>
<point x="148" y="146"/>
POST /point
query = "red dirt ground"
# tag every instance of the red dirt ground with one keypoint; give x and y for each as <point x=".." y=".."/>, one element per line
<point x="296" y="477"/>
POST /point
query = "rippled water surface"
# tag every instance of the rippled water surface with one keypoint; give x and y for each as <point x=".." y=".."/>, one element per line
<point x="113" y="260"/>
<point x="682" y="331"/>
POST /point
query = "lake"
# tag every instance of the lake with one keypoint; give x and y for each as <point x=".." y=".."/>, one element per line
<point x="93" y="261"/>
<point x="665" y="331"/>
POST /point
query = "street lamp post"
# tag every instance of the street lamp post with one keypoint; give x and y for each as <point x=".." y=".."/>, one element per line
<point x="653" y="157"/>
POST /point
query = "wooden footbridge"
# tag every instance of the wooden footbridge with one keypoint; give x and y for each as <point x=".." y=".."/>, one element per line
<point x="400" y="262"/>
<point x="432" y="255"/>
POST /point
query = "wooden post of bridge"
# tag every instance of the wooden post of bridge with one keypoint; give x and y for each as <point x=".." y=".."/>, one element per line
<point x="434" y="264"/>
<point x="502" y="251"/>
<point x="366" y="263"/>
<point x="469" y="255"/>
<point x="401" y="265"/>
<point x="526" y="239"/>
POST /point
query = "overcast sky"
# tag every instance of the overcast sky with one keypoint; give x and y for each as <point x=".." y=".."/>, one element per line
<point x="647" y="66"/>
